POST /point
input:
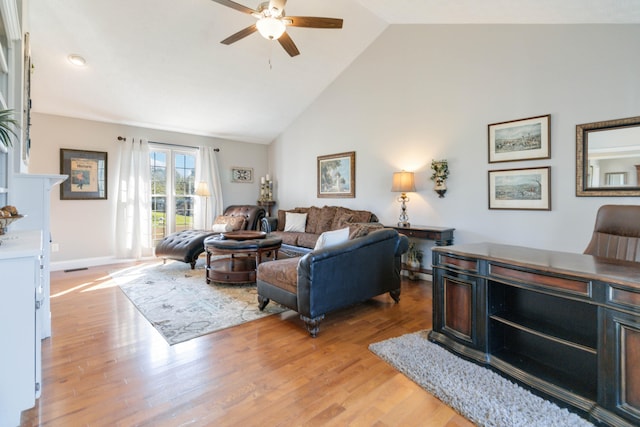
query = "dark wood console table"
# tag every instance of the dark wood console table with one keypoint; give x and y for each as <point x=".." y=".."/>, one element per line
<point x="567" y="325"/>
<point x="442" y="236"/>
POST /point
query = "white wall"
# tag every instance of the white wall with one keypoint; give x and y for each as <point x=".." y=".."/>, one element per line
<point x="423" y="92"/>
<point x="84" y="229"/>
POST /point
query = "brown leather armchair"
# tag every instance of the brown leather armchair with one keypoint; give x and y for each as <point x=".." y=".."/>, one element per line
<point x="616" y="233"/>
<point x="187" y="245"/>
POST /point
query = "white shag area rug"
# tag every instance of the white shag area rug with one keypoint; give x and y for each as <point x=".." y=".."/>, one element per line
<point x="479" y="394"/>
<point x="180" y="304"/>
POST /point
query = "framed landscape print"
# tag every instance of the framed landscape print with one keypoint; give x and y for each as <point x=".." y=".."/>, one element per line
<point x="87" y="171"/>
<point x="528" y="189"/>
<point x="240" y="174"/>
<point x="524" y="139"/>
<point x="337" y="175"/>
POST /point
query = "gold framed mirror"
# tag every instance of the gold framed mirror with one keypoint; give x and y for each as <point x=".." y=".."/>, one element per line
<point x="608" y="158"/>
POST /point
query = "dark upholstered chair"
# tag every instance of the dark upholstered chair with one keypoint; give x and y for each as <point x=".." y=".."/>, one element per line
<point x="186" y="246"/>
<point x="616" y="233"/>
<point x="335" y="277"/>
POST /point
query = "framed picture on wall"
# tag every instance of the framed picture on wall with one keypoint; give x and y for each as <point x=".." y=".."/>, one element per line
<point x="87" y="172"/>
<point x="26" y="108"/>
<point x="337" y="175"/>
<point x="528" y="189"/>
<point x="241" y="174"/>
<point x="523" y="139"/>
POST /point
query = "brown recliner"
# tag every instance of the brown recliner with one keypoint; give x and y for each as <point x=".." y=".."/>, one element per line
<point x="616" y="233"/>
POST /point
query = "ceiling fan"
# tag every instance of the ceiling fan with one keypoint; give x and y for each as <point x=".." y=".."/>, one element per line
<point x="272" y="23"/>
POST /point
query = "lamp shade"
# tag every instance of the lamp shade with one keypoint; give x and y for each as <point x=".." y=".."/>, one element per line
<point x="403" y="182"/>
<point x="270" y="28"/>
<point x="202" y="189"/>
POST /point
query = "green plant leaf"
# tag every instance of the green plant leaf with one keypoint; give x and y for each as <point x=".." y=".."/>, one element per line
<point x="8" y="127"/>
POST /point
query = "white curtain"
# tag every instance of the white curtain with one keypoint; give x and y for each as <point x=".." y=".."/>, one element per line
<point x="207" y="171"/>
<point x="133" y="208"/>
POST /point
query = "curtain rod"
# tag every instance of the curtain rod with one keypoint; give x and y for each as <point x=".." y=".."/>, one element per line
<point x="122" y="138"/>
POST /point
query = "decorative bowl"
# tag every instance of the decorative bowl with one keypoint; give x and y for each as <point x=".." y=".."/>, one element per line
<point x="5" y="221"/>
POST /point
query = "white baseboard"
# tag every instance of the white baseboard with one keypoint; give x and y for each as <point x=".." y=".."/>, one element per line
<point x="421" y="276"/>
<point x="90" y="262"/>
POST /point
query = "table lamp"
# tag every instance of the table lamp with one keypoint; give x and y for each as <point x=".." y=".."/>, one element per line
<point x="403" y="182"/>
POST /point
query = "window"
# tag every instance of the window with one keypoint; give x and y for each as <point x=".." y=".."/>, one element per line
<point x="173" y="174"/>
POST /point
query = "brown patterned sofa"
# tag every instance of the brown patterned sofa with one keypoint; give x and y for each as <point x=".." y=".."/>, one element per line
<point x="317" y="221"/>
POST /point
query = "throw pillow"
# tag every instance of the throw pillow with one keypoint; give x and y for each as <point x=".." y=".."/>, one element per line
<point x="282" y="219"/>
<point x="235" y="222"/>
<point x="313" y="218"/>
<point x="362" y="229"/>
<point x="326" y="218"/>
<point x="344" y="220"/>
<point x="221" y="228"/>
<point x="361" y="216"/>
<point x="295" y="222"/>
<point x="332" y="238"/>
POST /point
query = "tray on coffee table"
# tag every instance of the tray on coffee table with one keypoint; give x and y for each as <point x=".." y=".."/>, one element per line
<point x="244" y="235"/>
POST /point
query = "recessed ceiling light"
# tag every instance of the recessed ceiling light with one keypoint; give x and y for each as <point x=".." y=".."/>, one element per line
<point x="77" y="60"/>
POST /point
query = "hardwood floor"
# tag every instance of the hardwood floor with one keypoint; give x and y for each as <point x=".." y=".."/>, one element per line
<point x="106" y="365"/>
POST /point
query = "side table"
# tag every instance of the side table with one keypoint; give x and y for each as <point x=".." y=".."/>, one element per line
<point x="267" y="205"/>
<point x="442" y="236"/>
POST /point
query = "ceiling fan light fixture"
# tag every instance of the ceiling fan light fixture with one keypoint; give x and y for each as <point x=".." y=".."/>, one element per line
<point x="270" y="28"/>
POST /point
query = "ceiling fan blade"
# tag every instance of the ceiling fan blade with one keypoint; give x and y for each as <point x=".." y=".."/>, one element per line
<point x="240" y="34"/>
<point x="313" y="22"/>
<point x="236" y="6"/>
<point x="277" y="5"/>
<point x="288" y="44"/>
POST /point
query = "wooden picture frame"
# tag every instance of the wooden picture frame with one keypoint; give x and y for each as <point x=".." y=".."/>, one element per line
<point x="26" y="99"/>
<point x="337" y="175"/>
<point x="526" y="189"/>
<point x="241" y="174"/>
<point x="522" y="139"/>
<point x="87" y="171"/>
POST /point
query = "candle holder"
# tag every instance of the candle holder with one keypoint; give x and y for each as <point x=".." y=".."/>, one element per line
<point x="266" y="190"/>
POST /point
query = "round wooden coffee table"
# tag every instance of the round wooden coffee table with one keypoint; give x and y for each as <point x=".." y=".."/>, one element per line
<point x="240" y="258"/>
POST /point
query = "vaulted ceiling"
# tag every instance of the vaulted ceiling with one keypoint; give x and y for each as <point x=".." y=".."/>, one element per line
<point x="159" y="63"/>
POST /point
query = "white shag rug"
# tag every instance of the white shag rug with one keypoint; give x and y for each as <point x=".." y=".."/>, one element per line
<point x="477" y="393"/>
<point x="180" y="304"/>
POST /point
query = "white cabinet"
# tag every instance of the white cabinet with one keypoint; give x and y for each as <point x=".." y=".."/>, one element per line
<point x="31" y="194"/>
<point x="21" y="355"/>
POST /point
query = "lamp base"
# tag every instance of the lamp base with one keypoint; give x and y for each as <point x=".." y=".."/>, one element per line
<point x="403" y="220"/>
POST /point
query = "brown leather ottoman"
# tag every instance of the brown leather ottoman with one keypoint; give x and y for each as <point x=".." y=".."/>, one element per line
<point x="240" y="258"/>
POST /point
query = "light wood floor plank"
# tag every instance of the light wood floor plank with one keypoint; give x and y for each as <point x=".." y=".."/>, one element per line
<point x="106" y="365"/>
